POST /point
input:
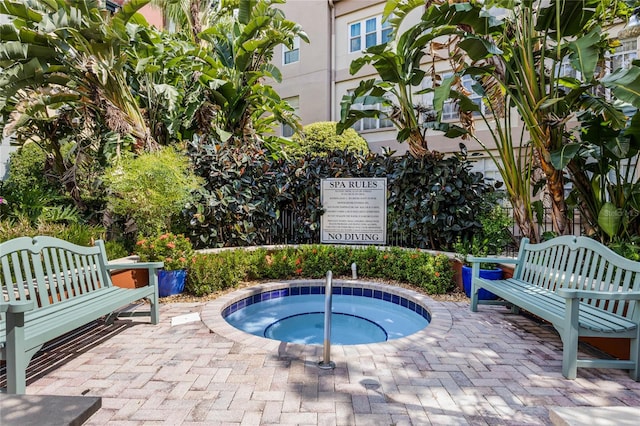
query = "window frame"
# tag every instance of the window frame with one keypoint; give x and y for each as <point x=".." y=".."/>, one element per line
<point x="382" y="30"/>
<point x="374" y="124"/>
<point x="286" y="50"/>
<point x="294" y="101"/>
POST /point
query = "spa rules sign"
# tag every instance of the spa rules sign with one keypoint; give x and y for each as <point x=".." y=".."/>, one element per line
<point x="355" y="211"/>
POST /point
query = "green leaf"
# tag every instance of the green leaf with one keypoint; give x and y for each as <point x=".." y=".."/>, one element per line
<point x="574" y="15"/>
<point x="129" y="9"/>
<point x="625" y="84"/>
<point x="20" y="10"/>
<point x="584" y="52"/>
<point x="609" y="219"/>
<point x="478" y="48"/>
<point x="441" y="94"/>
<point x="562" y="157"/>
<point x="245" y="10"/>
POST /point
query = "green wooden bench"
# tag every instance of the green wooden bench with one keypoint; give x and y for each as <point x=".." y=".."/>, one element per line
<point x="51" y="287"/>
<point x="578" y="285"/>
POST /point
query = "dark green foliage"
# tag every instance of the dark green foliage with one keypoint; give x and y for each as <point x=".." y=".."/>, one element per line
<point x="27" y="192"/>
<point x="320" y="138"/>
<point x="238" y="206"/>
<point x="219" y="271"/>
<point x="431" y="202"/>
<point x="435" y="201"/>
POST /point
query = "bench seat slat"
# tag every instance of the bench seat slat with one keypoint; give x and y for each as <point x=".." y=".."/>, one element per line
<point x="44" y="325"/>
<point x="551" y="307"/>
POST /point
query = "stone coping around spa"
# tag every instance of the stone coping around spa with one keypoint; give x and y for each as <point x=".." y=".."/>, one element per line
<point x="320" y="289"/>
<point x="439" y="326"/>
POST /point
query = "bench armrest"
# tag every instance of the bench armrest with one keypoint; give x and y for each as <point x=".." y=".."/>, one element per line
<point x="569" y="293"/>
<point x="137" y="265"/>
<point x="473" y="259"/>
<point x="17" y="307"/>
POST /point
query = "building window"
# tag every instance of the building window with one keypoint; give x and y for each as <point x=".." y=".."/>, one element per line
<point x="624" y="55"/>
<point x="565" y="69"/>
<point x="372" y="123"/>
<point x="450" y="110"/>
<point x="387" y="31"/>
<point x="354" y="38"/>
<point x="375" y="32"/>
<point x="288" y="131"/>
<point x="488" y="168"/>
<point x="290" y="56"/>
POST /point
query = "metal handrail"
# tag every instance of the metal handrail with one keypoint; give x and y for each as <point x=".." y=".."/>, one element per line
<point x="326" y="362"/>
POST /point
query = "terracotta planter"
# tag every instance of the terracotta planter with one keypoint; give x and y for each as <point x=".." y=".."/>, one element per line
<point x="507" y="271"/>
<point x="456" y="265"/>
<point x="130" y="278"/>
<point x="616" y="347"/>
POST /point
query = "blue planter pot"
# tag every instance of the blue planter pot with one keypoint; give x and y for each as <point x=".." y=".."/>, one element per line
<point x="488" y="274"/>
<point x="171" y="282"/>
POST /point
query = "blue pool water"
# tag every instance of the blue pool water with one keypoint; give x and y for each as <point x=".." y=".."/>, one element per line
<point x="296" y="315"/>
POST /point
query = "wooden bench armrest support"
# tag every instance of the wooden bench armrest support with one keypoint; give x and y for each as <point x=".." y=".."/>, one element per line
<point x="568" y="293"/>
<point x="137" y="265"/>
<point x="16" y="307"/>
<point x="473" y="259"/>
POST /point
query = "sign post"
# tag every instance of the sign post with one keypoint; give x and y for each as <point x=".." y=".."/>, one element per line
<point x="355" y="211"/>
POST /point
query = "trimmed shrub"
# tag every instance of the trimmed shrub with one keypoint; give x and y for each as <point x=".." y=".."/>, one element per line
<point x="320" y="138"/>
<point x="26" y="170"/>
<point x="211" y="273"/>
<point x="215" y="272"/>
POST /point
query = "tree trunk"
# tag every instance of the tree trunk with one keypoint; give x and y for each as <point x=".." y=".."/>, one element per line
<point x="555" y="186"/>
<point x="418" y="145"/>
<point x="528" y="228"/>
<point x="582" y="184"/>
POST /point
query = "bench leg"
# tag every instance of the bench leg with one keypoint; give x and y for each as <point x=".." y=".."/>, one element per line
<point x="154" y="311"/>
<point x="474" y="297"/>
<point x="16" y="358"/>
<point x="569" y="337"/>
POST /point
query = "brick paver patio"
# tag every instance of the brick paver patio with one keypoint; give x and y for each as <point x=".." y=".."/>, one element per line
<point x="489" y="368"/>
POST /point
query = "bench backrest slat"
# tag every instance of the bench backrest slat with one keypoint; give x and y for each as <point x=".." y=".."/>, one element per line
<point x="48" y="270"/>
<point x="584" y="264"/>
<point x="68" y="265"/>
<point x="15" y="260"/>
<point x="51" y="282"/>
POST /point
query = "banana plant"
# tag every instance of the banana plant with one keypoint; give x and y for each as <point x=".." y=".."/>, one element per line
<point x="63" y="82"/>
<point x="398" y="65"/>
<point x="606" y="160"/>
<point x="75" y="48"/>
<point x="514" y="49"/>
<point x="237" y="66"/>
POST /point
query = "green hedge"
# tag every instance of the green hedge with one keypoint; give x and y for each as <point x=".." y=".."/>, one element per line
<point x="215" y="272"/>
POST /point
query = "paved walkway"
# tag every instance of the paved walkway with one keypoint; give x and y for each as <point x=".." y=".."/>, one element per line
<point x="489" y="368"/>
